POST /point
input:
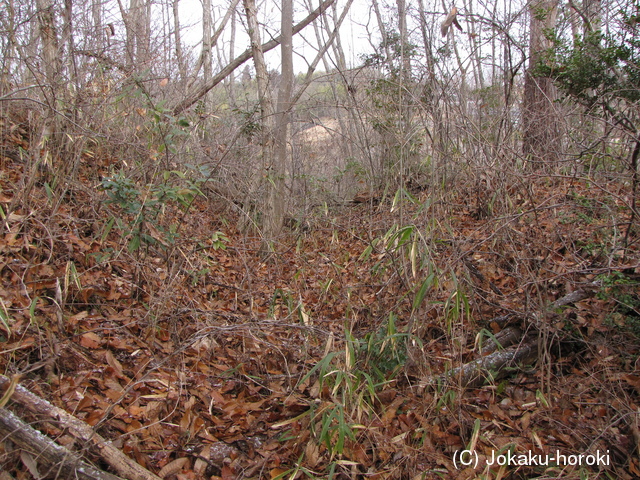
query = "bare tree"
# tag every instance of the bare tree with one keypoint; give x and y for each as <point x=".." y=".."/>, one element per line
<point x="275" y="214"/>
<point x="405" y="57"/>
<point x="8" y="44"/>
<point x="194" y="96"/>
<point x="212" y="40"/>
<point x="137" y="22"/>
<point x="232" y="48"/>
<point x="50" y="45"/>
<point x="264" y="96"/>
<point x="182" y="67"/>
<point x="96" y="16"/>
<point x="50" y="135"/>
<point x="206" y="45"/>
<point x="541" y="138"/>
<point x="350" y="127"/>
<point x="590" y="12"/>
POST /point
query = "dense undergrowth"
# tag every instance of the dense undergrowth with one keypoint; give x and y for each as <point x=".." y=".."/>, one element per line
<point x="143" y="309"/>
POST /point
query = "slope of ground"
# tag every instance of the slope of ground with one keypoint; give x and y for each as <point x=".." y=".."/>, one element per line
<point x="199" y="358"/>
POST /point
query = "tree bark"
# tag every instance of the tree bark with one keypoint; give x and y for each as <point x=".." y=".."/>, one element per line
<point x="50" y="136"/>
<point x="80" y="430"/>
<point x="58" y="461"/>
<point x="275" y="215"/>
<point x="232" y="48"/>
<point x="541" y="135"/>
<point x="495" y="365"/>
<point x="49" y="39"/>
<point x="9" y="51"/>
<point x="182" y="67"/>
<point x="137" y="23"/>
<point x="213" y="39"/>
<point x="267" y="117"/>
<point x="206" y="50"/>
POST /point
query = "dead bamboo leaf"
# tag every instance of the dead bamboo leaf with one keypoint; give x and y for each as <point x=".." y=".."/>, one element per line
<point x="11" y="388"/>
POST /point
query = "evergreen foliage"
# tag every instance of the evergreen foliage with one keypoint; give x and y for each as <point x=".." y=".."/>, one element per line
<point x="600" y="67"/>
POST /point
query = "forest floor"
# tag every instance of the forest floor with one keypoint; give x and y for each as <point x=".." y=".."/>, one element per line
<point x="200" y="358"/>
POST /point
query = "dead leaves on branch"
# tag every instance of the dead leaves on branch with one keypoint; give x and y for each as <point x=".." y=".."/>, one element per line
<point x="450" y="20"/>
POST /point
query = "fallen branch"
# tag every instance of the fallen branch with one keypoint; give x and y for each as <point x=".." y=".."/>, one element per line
<point x="576" y="296"/>
<point x="488" y="368"/>
<point x="60" y="462"/>
<point x="494" y="366"/>
<point x="122" y="464"/>
<point x="498" y="364"/>
<point x="503" y="339"/>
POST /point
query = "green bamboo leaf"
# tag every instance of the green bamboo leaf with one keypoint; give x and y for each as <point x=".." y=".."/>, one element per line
<point x="424" y="288"/>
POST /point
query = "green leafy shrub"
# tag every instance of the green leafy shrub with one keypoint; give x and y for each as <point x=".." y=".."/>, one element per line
<point x="597" y="66"/>
<point x="349" y="381"/>
<point x="141" y="206"/>
<point x="624" y="291"/>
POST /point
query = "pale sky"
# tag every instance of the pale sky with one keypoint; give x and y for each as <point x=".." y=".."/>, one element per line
<point x="353" y="32"/>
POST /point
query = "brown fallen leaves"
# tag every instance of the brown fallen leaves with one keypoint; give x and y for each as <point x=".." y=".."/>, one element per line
<point x="192" y="364"/>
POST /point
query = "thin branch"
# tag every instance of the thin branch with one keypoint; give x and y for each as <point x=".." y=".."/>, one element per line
<point x="243" y="57"/>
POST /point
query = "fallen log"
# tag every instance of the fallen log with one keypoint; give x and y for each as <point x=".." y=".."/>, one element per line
<point x="497" y="364"/>
<point x="487" y="369"/>
<point x="115" y="458"/>
<point x="494" y="366"/>
<point x="576" y="296"/>
<point x="58" y="461"/>
<point x="503" y="339"/>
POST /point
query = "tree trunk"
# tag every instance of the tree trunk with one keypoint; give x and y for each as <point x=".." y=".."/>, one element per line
<point x="182" y="67"/>
<point x="49" y="39"/>
<point x="405" y="58"/>
<point x="406" y="152"/>
<point x="10" y="48"/>
<point x="206" y="57"/>
<point x="50" y="135"/>
<point x="348" y="129"/>
<point x="212" y="40"/>
<point x="262" y="78"/>
<point x="275" y="207"/>
<point x="382" y="28"/>
<point x="541" y="135"/>
<point x="232" y="49"/>
<point x="137" y="22"/>
<point x="99" y="34"/>
<point x="49" y="458"/>
<point x="264" y="99"/>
